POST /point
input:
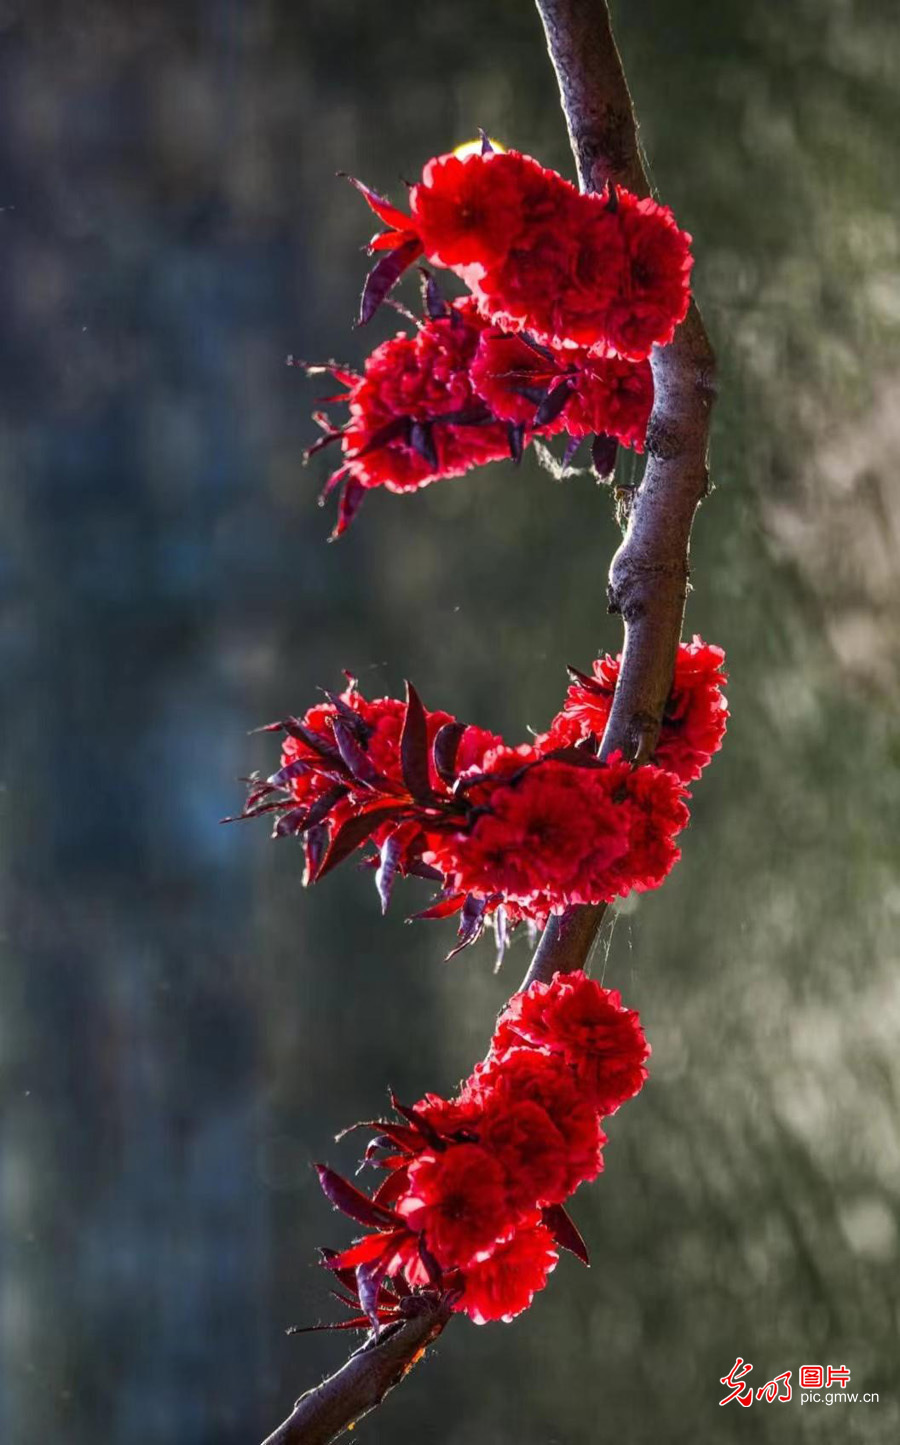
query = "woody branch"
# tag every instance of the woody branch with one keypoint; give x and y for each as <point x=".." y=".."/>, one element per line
<point x="648" y="582"/>
<point x="648" y="576"/>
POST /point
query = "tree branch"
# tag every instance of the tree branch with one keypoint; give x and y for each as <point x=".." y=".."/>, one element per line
<point x="648" y="582"/>
<point x="648" y="576"/>
<point x="327" y="1410"/>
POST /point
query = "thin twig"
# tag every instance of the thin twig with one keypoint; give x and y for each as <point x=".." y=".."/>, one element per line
<point x="648" y="583"/>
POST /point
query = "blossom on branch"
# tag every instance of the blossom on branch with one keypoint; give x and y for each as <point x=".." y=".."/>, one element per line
<point x="609" y="271"/>
<point x="693" y="723"/>
<point x="471" y="1205"/>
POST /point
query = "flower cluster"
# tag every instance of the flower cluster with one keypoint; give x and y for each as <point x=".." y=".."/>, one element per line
<point x="693" y="723"/>
<point x="606" y="271"/>
<point x="511" y="834"/>
<point x="569" y="293"/>
<point x="471" y="1204"/>
<point x="414" y="414"/>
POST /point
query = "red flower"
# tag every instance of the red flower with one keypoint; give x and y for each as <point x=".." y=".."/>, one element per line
<point x="515" y="1075"/>
<point x="502" y="1286"/>
<point x="414" y="416"/>
<point x="470" y="210"/>
<point x="530" y="1149"/>
<point x="653" y="294"/>
<point x="601" y="394"/>
<point x="585" y="1024"/>
<point x="694" y="721"/>
<point x="458" y="1200"/>
<point x="554" y="833"/>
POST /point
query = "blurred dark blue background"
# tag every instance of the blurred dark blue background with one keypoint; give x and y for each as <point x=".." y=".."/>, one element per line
<point x="182" y="1029"/>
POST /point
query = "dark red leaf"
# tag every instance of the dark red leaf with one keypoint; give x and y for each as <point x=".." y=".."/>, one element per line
<point x="583" y="678"/>
<point x="359" y="1322"/>
<point x="501" y="933"/>
<point x="384" y="276"/>
<point x="350" y="1201"/>
<point x="347" y="1277"/>
<point x="368" y="1282"/>
<point x="290" y="823"/>
<point x="414" y="747"/>
<point x="316" y="844"/>
<point x="350" y="503"/>
<point x="353" y="833"/>
<point x="390" y="852"/>
<point x="486" y="148"/>
<point x="565" y="1233"/>
<point x="357" y="759"/>
<point x="471" y="924"/>
<point x="418" y="1122"/>
<point x="516" y="434"/>
<point x="421" y="439"/>
<point x="383" y="209"/>
<point x="323" y="806"/>
<point x="445" y="749"/>
<point x="432" y="1267"/>
<point x="572" y="446"/>
<point x="604" y="450"/>
<point x="444" y="908"/>
<point x="390" y="1189"/>
<point x="553" y="402"/>
<point x="418" y="869"/>
<point x="468" y="416"/>
<point x="296" y="769"/>
<point x="398" y="427"/>
<point x="433" y="303"/>
<point x="314" y="741"/>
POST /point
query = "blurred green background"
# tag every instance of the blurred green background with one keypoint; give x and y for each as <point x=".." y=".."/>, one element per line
<point x="182" y="1028"/>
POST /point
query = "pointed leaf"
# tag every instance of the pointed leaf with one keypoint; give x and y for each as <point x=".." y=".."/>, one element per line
<point x="390" y="852"/>
<point x="565" y="1233"/>
<point x="445" y="749"/>
<point x="433" y="303"/>
<point x="352" y="834"/>
<point x="370" y="1247"/>
<point x="471" y="924"/>
<point x="486" y="148"/>
<point x="501" y="933"/>
<point x="399" y="426"/>
<point x="357" y="759"/>
<point x="516" y="435"/>
<point x="553" y="402"/>
<point x="604" y="450"/>
<point x="418" y="1122"/>
<point x="467" y="416"/>
<point x="291" y="823"/>
<point x="384" y="276"/>
<point x="350" y="503"/>
<point x="414" y="747"/>
<point x="572" y="446"/>
<point x="383" y="208"/>
<point x="323" y="806"/>
<point x="350" y="1201"/>
<point x="316" y="844"/>
<point x="421" y="439"/>
<point x="444" y="908"/>
<point x="368" y="1282"/>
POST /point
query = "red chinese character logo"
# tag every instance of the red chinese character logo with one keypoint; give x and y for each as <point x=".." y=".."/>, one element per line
<point x="811" y="1377"/>
<point x="837" y="1375"/>
<point x="740" y="1392"/>
<point x="773" y="1390"/>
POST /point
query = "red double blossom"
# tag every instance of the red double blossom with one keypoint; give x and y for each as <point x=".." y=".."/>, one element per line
<point x="509" y="834"/>
<point x="414" y="415"/>
<point x="609" y="271"/>
<point x="693" y="723"/>
<point x="471" y="1203"/>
